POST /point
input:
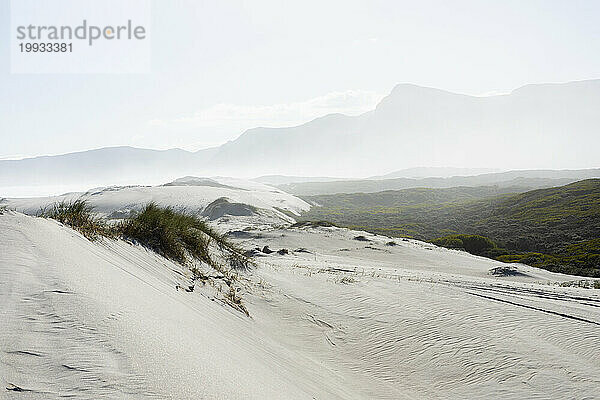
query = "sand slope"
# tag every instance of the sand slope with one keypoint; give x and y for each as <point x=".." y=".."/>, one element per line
<point x="105" y="320"/>
<point x="426" y="322"/>
<point x="335" y="318"/>
<point x="189" y="193"/>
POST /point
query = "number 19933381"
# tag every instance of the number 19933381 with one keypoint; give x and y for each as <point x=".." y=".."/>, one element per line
<point x="46" y="47"/>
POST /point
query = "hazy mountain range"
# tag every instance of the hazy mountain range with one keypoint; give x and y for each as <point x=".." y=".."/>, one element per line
<point x="438" y="172"/>
<point x="517" y="181"/>
<point x="535" y="126"/>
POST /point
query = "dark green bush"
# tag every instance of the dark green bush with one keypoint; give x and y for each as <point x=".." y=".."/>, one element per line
<point x="474" y="244"/>
<point x="449" y="242"/>
<point x="312" y="224"/>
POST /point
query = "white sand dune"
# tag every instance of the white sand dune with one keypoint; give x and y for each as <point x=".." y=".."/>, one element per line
<point x="104" y="320"/>
<point x="180" y="194"/>
<point x="428" y="322"/>
<point x="334" y="318"/>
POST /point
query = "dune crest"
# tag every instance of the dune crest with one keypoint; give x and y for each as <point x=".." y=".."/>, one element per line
<point x="331" y="317"/>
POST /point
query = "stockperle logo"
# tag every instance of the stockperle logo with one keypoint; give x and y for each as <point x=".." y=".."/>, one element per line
<point x="85" y="31"/>
<point x="80" y="36"/>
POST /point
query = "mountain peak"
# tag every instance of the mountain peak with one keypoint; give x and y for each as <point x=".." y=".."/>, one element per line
<point x="410" y="89"/>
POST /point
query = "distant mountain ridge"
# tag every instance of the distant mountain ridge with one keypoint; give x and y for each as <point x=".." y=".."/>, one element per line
<point x="526" y="179"/>
<point x="104" y="166"/>
<point x="547" y="124"/>
<point x="284" y="179"/>
<point x="434" y="172"/>
<point x="536" y="125"/>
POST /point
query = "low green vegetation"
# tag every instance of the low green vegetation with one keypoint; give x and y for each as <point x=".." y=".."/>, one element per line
<point x="176" y="235"/>
<point x="556" y="228"/>
<point x="312" y="224"/>
<point x="518" y="181"/>
<point x="576" y="259"/>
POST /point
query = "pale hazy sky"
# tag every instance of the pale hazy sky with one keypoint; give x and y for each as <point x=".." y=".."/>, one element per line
<point x="220" y="67"/>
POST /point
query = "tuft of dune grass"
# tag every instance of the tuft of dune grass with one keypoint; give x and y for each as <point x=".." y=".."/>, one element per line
<point x="177" y="235"/>
<point x="180" y="236"/>
<point x="173" y="234"/>
<point x="78" y="214"/>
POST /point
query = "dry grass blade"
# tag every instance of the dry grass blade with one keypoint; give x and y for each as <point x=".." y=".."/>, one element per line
<point x="78" y="214"/>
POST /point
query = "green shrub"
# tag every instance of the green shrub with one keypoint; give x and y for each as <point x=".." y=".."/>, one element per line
<point x="474" y="244"/>
<point x="449" y="242"/>
<point x="497" y="252"/>
<point x="312" y="224"/>
<point x="477" y="244"/>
